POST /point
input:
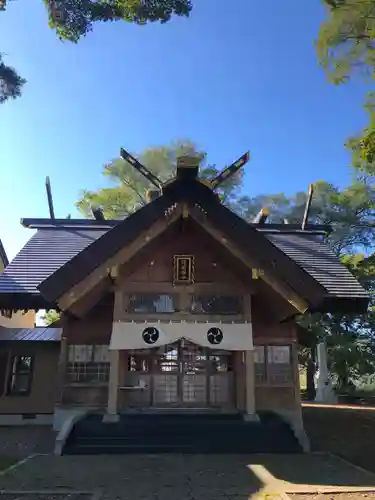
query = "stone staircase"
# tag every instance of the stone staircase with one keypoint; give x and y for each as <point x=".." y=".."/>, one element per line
<point x="181" y="433"/>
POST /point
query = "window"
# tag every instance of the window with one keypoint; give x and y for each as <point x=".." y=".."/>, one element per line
<point x="260" y="364"/>
<point x="216" y="304"/>
<point x="279" y="366"/>
<point x="139" y="362"/>
<point x="152" y="303"/>
<point x="20" y="376"/>
<point x="220" y="362"/>
<point x="88" y="364"/>
<point x="273" y="364"/>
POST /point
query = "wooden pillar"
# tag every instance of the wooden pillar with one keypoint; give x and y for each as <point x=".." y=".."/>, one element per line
<point x="240" y="379"/>
<point x="62" y="365"/>
<point x="250" y="410"/>
<point x="115" y="365"/>
<point x="113" y="385"/>
<point x="250" y="384"/>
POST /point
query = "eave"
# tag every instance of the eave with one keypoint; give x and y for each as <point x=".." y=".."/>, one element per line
<point x="24" y="301"/>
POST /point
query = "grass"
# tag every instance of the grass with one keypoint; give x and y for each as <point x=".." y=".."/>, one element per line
<point x="6" y="462"/>
<point x="348" y="433"/>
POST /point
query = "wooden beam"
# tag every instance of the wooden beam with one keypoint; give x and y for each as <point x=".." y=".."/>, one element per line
<point x="195" y="288"/>
<point x="280" y="287"/>
<point x="88" y="301"/>
<point x="89" y="282"/>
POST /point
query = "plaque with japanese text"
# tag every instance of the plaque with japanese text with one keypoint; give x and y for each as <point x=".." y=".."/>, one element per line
<point x="183" y="269"/>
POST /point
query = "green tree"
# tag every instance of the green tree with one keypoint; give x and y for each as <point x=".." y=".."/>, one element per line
<point x="346" y="47"/>
<point x="346" y="39"/>
<point x="10" y="82"/>
<point x="72" y="19"/>
<point x="350" y="337"/>
<point x="128" y="191"/>
<point x="75" y="18"/>
<point x="50" y="317"/>
<point x="362" y="146"/>
<point x="351" y="213"/>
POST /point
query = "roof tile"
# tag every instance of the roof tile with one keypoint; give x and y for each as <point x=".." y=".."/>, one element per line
<point x="49" y="249"/>
<point x="41" y="334"/>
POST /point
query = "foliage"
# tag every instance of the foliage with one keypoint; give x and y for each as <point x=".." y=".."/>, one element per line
<point x="350" y="211"/>
<point x="51" y="317"/>
<point x="75" y="18"/>
<point x="350" y="338"/>
<point x="72" y="19"/>
<point x="128" y="191"/>
<point x="10" y="82"/>
<point x="362" y="146"/>
<point x="346" y="47"/>
<point x="346" y="39"/>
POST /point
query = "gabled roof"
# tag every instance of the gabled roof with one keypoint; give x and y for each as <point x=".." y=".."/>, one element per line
<point x="63" y="252"/>
<point x="194" y="194"/>
<point x="54" y="244"/>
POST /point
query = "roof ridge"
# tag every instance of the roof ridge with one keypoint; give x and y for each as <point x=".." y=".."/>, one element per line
<point x="92" y="224"/>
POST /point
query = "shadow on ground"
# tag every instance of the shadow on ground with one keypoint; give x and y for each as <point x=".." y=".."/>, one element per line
<point x="315" y="470"/>
<point x="139" y="477"/>
<point x="345" y="432"/>
<point x="185" y="477"/>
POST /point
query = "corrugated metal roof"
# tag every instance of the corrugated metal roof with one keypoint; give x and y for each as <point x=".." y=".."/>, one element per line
<point x="41" y="334"/>
<point x="315" y="257"/>
<point x="49" y="249"/>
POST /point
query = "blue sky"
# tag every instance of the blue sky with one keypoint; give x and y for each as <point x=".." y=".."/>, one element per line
<point x="229" y="79"/>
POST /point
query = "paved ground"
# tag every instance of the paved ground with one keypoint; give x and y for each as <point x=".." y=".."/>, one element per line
<point x="138" y="477"/>
<point x="178" y="477"/>
<point x="21" y="441"/>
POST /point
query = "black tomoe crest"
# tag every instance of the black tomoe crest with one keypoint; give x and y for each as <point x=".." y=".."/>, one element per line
<point x="215" y="335"/>
<point x="150" y="335"/>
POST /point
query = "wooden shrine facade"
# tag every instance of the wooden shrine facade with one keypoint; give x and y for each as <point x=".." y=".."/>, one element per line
<point x="181" y="305"/>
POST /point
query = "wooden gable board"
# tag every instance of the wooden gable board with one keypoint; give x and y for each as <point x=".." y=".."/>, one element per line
<point x="262" y="252"/>
<point x="91" y="280"/>
<point x="103" y="249"/>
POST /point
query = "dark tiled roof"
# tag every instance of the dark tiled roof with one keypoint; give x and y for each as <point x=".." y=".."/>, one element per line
<point x="315" y="256"/>
<point x="45" y="252"/>
<point x="49" y="249"/>
<point x="260" y="250"/>
<point x="41" y="334"/>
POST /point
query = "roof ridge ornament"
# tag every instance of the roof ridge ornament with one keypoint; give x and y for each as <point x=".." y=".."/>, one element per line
<point x="187" y="169"/>
<point x="228" y="172"/>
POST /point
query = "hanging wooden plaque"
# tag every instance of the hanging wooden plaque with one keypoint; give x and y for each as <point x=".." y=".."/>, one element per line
<point x="183" y="269"/>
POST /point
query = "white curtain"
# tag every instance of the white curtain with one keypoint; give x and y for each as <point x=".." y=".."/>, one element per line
<point x="227" y="336"/>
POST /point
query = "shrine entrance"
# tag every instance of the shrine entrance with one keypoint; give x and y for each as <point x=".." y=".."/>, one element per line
<point x="181" y="374"/>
